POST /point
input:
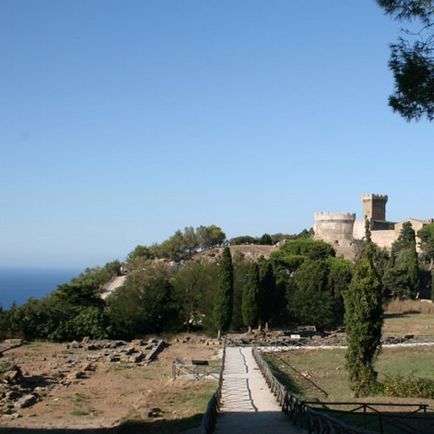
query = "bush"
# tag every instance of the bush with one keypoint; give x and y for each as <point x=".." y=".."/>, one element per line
<point x="310" y="249"/>
<point x="408" y="387"/>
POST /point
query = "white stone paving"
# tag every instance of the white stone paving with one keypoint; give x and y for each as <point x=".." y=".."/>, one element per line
<point x="248" y="406"/>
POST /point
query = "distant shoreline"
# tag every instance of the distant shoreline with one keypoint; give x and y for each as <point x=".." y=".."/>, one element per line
<point x="20" y="283"/>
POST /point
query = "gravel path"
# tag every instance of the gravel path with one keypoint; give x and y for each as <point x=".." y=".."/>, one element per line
<point x="248" y="406"/>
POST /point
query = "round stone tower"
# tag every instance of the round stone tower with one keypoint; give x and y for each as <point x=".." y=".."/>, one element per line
<point x="334" y="228"/>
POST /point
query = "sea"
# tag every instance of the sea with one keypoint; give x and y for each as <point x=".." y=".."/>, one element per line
<point x="19" y="284"/>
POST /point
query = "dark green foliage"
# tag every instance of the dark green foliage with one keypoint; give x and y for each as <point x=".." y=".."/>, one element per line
<point x="267" y="292"/>
<point x="363" y="321"/>
<point x="210" y="236"/>
<point x="432" y="286"/>
<point x="381" y="260"/>
<point x="250" y="300"/>
<point x="141" y="252"/>
<point x="73" y="310"/>
<point x="3" y="324"/>
<point x="270" y="239"/>
<point x="338" y="281"/>
<point x="406" y="238"/>
<point x="265" y="240"/>
<point x="311" y="249"/>
<point x="242" y="239"/>
<point x="310" y="302"/>
<point x="292" y="254"/>
<point x="181" y="245"/>
<point x="145" y="304"/>
<point x="194" y="286"/>
<point x="402" y="276"/>
<point x="224" y="296"/>
<point x="91" y="321"/>
<point x="97" y="276"/>
<point x="426" y="236"/>
<point x="408" y="387"/>
<point x="241" y="273"/>
<point x="291" y="262"/>
<point x="412" y="59"/>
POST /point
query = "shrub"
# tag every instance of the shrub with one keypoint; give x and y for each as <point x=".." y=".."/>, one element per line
<point x="408" y="387"/>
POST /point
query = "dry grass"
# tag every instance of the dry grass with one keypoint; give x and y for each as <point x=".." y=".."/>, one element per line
<point x="409" y="306"/>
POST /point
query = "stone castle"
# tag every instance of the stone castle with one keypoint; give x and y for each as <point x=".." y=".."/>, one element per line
<point x="342" y="229"/>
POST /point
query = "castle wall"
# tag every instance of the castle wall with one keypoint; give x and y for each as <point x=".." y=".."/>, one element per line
<point x="334" y="228"/>
<point x="384" y="239"/>
<point x="359" y="230"/>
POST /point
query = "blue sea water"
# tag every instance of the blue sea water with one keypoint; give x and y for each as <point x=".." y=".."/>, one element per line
<point x="18" y="284"/>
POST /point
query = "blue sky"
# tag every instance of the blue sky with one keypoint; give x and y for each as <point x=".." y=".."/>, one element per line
<point x="121" y="121"/>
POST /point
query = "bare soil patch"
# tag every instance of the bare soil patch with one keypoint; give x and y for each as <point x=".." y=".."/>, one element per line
<point x="76" y="388"/>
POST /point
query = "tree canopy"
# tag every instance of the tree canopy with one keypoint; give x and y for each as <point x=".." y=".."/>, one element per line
<point x="412" y="59"/>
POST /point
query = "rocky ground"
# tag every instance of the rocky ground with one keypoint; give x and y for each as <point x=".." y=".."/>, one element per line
<point x="309" y="336"/>
<point x="100" y="383"/>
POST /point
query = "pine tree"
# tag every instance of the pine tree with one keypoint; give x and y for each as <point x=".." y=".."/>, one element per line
<point x="224" y="297"/>
<point x="364" y="321"/>
<point x="251" y="293"/>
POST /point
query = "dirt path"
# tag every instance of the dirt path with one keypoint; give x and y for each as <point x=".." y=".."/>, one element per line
<point x="248" y="406"/>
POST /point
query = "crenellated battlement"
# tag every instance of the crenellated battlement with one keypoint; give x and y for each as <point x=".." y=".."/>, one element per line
<point x="374" y="206"/>
<point x="373" y="196"/>
<point x="334" y="216"/>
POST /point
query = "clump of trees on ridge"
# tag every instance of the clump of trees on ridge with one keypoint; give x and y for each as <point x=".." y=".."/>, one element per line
<point x="302" y="283"/>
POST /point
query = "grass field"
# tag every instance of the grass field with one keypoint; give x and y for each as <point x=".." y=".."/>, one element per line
<point x="321" y="374"/>
<point x="400" y="324"/>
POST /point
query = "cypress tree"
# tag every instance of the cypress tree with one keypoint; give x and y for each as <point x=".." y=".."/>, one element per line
<point x="363" y="321"/>
<point x="250" y="301"/>
<point x="413" y="269"/>
<point x="224" y="297"/>
<point x="267" y="293"/>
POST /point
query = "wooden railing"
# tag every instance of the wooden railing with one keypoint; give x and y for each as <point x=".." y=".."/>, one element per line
<point x="209" y="419"/>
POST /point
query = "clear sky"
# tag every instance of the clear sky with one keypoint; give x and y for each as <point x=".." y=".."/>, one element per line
<point x="121" y="121"/>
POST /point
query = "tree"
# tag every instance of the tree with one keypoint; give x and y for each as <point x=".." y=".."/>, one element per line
<point x="242" y="239"/>
<point x="191" y="242"/>
<point x="311" y="302"/>
<point x="294" y="253"/>
<point x="310" y="248"/>
<point x="402" y="277"/>
<point x="265" y="240"/>
<point x="267" y="295"/>
<point x="407" y="237"/>
<point x="363" y="321"/>
<point x="432" y="286"/>
<point x="426" y="236"/>
<point x="194" y="286"/>
<point x="338" y="280"/>
<point x="249" y="305"/>
<point x="224" y="297"/>
<point x="141" y="252"/>
<point x="241" y="273"/>
<point x="210" y="236"/>
<point x="145" y="304"/>
<point x="412" y="59"/>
